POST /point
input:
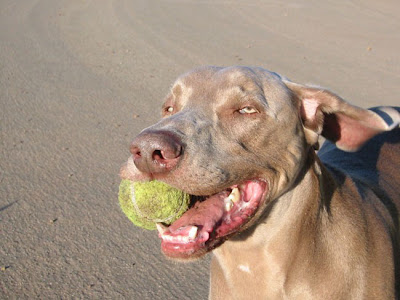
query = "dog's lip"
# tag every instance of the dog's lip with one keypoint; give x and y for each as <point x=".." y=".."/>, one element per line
<point x="208" y="223"/>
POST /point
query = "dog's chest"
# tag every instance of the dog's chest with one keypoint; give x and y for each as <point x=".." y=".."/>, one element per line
<point x="249" y="274"/>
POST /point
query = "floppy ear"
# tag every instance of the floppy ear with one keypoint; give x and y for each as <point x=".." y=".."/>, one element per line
<point x="349" y="127"/>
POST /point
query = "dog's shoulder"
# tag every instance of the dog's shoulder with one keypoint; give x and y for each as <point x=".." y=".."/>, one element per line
<point x="373" y="167"/>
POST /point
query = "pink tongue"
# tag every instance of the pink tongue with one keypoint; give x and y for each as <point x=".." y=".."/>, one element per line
<point x="204" y="214"/>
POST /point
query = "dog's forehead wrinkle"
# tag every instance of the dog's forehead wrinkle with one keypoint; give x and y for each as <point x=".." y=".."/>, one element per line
<point x="241" y="89"/>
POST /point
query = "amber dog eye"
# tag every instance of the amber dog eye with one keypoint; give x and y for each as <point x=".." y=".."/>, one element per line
<point x="248" y="110"/>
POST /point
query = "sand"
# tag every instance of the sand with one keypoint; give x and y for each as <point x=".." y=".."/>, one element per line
<point x="79" y="79"/>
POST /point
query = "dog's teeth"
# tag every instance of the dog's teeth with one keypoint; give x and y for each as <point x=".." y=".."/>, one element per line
<point x="167" y="238"/>
<point x="180" y="239"/>
<point x="193" y="232"/>
<point x="161" y="228"/>
<point x="228" y="204"/>
<point x="234" y="196"/>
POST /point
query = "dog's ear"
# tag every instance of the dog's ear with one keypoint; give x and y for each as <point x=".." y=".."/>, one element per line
<point x="349" y="127"/>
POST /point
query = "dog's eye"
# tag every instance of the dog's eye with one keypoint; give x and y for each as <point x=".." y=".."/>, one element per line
<point x="248" y="110"/>
<point x="169" y="109"/>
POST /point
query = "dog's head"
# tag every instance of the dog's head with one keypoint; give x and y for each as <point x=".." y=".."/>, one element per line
<point x="236" y="139"/>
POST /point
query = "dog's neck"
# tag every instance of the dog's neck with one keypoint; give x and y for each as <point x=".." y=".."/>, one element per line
<point x="283" y="236"/>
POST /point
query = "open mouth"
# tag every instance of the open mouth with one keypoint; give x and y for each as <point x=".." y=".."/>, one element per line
<point x="211" y="220"/>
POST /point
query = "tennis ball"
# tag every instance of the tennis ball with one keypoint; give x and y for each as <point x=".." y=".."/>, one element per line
<point x="151" y="202"/>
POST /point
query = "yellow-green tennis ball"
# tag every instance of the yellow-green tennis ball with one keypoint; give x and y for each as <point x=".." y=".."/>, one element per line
<point x="151" y="202"/>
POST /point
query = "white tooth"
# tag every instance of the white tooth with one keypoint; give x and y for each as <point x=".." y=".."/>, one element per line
<point x="234" y="195"/>
<point x="161" y="228"/>
<point x="228" y="204"/>
<point x="193" y="232"/>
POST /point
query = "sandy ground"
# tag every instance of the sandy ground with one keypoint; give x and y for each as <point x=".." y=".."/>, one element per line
<point x="79" y="79"/>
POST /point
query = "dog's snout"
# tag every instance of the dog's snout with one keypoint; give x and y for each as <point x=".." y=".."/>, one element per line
<point x="156" y="151"/>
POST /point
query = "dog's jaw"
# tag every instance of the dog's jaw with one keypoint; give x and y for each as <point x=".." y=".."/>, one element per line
<point x="211" y="221"/>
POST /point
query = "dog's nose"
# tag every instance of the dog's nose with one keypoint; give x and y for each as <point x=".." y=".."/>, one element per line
<point x="156" y="151"/>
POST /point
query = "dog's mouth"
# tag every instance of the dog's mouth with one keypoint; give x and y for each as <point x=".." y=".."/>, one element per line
<point x="211" y="220"/>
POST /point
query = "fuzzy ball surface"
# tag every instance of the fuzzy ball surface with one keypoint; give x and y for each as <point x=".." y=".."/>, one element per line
<point x="151" y="202"/>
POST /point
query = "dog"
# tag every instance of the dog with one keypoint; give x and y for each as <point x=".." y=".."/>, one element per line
<point x="282" y="221"/>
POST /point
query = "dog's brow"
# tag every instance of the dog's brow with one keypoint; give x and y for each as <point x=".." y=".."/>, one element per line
<point x="181" y="92"/>
<point x="177" y="90"/>
<point x="233" y="91"/>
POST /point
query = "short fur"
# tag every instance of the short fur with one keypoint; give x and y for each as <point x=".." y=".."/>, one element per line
<point x="329" y="225"/>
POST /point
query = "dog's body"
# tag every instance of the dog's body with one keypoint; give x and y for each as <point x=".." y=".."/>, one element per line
<point x="333" y="236"/>
<point x="304" y="227"/>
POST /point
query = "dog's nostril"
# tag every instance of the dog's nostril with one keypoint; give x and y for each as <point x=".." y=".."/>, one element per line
<point x="135" y="152"/>
<point x="157" y="155"/>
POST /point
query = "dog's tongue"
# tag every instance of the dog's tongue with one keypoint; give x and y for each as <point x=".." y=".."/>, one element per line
<point x="205" y="214"/>
<point x="208" y="221"/>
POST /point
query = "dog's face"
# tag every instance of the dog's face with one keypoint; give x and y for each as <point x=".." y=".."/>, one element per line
<point x="236" y="139"/>
<point x="227" y="121"/>
<point x="221" y="139"/>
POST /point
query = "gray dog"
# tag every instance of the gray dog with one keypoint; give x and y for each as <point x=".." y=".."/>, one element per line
<point x="283" y="221"/>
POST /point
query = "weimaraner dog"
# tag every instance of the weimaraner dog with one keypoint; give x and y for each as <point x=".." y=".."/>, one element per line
<point x="283" y="222"/>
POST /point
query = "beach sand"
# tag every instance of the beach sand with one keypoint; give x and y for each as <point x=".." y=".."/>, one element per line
<point x="79" y="79"/>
